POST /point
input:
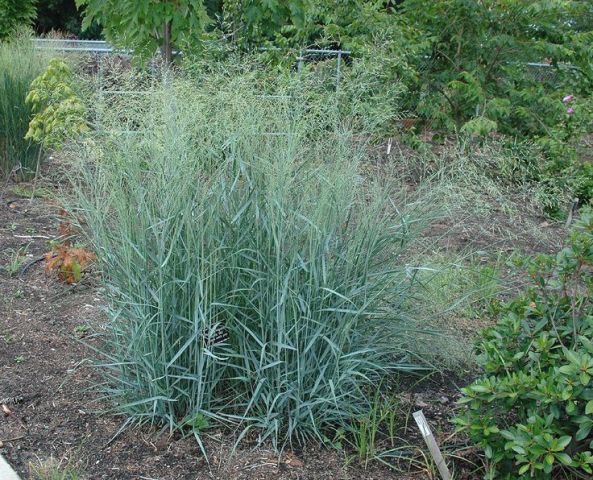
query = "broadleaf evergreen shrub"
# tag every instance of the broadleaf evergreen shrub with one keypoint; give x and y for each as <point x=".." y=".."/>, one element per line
<point x="532" y="410"/>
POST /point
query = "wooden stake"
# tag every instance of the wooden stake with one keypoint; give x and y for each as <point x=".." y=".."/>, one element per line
<point x="432" y="444"/>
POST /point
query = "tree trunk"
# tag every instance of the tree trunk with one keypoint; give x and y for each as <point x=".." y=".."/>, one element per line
<point x="167" y="49"/>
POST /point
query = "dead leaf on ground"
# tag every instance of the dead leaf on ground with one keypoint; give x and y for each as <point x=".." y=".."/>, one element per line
<point x="65" y="228"/>
<point x="292" y="460"/>
<point x="68" y="262"/>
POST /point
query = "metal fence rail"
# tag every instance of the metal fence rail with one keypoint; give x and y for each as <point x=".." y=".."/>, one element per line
<point x="541" y="71"/>
<point x="82" y="46"/>
<point x="305" y="54"/>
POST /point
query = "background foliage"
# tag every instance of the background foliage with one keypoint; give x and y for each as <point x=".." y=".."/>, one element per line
<point x="63" y="16"/>
<point x="15" y="14"/>
<point x="139" y="25"/>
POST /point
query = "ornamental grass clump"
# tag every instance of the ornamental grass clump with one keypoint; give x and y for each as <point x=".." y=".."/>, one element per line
<point x="254" y="277"/>
<point x="19" y="65"/>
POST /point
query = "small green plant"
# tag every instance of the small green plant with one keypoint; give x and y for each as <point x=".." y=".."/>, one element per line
<point x="197" y="423"/>
<point x="16" y="260"/>
<point x="364" y="431"/>
<point x="81" y="330"/>
<point x="532" y="410"/>
<point x="371" y="434"/>
<point x="20" y="359"/>
<point x="367" y="431"/>
<point x="59" y="114"/>
<point x="53" y="469"/>
<point x="478" y="127"/>
<point x="35" y="192"/>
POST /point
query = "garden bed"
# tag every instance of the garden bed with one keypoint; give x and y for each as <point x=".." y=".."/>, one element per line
<point x="47" y="384"/>
<point x="47" y="381"/>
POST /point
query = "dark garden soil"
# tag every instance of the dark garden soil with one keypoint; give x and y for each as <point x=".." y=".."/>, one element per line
<point x="50" y="409"/>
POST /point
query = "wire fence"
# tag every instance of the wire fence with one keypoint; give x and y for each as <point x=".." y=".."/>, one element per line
<point x="100" y="47"/>
<point x="102" y="55"/>
<point x="541" y="71"/>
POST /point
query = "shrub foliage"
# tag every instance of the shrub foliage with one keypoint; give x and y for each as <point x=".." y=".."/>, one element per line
<point x="15" y="15"/>
<point x="532" y="410"/>
<point x="59" y="113"/>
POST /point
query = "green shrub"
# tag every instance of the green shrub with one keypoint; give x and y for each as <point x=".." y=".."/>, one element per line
<point x="59" y="112"/>
<point x="567" y="164"/>
<point x="219" y="212"/>
<point x="14" y="15"/>
<point x="19" y="65"/>
<point x="475" y="63"/>
<point x="532" y="410"/>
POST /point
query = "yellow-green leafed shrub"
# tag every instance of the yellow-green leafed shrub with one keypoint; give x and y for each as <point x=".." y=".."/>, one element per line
<point x="59" y="113"/>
